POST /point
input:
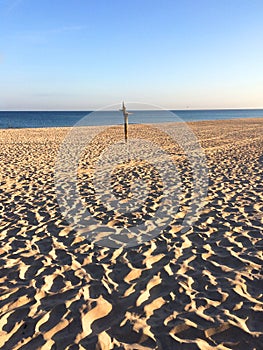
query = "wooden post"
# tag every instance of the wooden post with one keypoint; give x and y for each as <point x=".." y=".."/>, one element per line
<point x="126" y="127"/>
<point x="125" y="121"/>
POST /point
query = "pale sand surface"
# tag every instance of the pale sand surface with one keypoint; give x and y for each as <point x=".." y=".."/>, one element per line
<point x="199" y="289"/>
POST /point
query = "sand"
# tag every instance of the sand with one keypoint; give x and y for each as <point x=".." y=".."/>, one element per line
<point x="199" y="288"/>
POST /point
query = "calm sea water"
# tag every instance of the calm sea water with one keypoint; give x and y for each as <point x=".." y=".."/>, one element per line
<point x="43" y="119"/>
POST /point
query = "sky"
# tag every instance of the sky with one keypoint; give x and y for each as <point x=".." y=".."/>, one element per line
<point x="86" y="54"/>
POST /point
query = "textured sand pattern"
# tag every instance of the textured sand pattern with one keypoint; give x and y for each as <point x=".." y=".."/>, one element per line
<point x="197" y="289"/>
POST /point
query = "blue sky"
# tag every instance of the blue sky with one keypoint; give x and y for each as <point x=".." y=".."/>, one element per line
<point x="82" y="54"/>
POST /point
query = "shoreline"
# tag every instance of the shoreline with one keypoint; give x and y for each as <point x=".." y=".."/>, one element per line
<point x="113" y="125"/>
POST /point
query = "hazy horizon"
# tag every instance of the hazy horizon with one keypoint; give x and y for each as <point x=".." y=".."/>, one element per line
<point x="141" y="109"/>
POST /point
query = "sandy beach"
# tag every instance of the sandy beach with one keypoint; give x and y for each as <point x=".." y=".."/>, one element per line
<point x="199" y="288"/>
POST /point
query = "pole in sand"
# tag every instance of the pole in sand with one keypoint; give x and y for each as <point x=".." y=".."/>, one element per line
<point x="125" y="116"/>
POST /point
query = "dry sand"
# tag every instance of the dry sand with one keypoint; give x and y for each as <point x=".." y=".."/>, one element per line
<point x="200" y="289"/>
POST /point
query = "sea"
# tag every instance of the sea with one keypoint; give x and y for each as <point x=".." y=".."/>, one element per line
<point x="44" y="119"/>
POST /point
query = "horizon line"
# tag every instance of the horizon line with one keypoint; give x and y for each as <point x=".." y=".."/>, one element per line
<point x="111" y="110"/>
